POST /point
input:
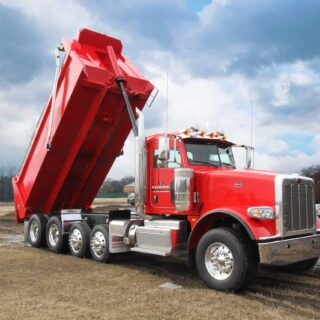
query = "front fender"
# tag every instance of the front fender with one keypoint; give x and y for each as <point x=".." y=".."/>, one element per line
<point x="208" y="221"/>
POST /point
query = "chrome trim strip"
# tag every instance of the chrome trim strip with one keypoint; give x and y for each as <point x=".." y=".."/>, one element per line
<point x="278" y="235"/>
<point x="278" y="183"/>
<point x="289" y="251"/>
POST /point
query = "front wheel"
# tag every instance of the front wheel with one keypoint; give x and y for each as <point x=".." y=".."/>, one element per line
<point x="224" y="260"/>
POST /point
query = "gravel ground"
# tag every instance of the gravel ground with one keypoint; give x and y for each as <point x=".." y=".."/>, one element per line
<point x="37" y="284"/>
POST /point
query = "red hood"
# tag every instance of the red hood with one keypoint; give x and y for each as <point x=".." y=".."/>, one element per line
<point x="237" y="187"/>
<point x="235" y="190"/>
<point x="245" y="173"/>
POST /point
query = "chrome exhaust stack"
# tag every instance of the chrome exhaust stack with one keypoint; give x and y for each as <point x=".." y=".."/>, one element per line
<point x="140" y="171"/>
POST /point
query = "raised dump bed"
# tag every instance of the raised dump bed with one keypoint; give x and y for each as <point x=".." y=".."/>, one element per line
<point x="90" y="124"/>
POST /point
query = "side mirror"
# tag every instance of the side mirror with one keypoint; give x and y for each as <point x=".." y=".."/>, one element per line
<point x="163" y="148"/>
<point x="249" y="156"/>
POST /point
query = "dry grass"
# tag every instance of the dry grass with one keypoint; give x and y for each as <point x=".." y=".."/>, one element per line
<point x="105" y="201"/>
<point x="5" y="207"/>
<point x="37" y="284"/>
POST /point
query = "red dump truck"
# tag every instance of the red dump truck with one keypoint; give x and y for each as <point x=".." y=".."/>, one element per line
<point x="190" y="200"/>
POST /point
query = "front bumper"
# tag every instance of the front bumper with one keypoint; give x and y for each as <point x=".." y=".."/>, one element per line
<point x="289" y="251"/>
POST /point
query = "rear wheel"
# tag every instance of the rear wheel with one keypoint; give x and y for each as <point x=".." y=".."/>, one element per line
<point x="37" y="230"/>
<point x="224" y="260"/>
<point x="99" y="243"/>
<point x="79" y="236"/>
<point x="56" y="241"/>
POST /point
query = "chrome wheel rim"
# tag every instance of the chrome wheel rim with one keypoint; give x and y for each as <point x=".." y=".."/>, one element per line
<point x="98" y="244"/>
<point x="219" y="261"/>
<point x="34" y="231"/>
<point x="54" y="235"/>
<point x="75" y="240"/>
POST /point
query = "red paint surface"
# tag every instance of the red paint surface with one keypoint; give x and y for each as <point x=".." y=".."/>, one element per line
<point x="90" y="126"/>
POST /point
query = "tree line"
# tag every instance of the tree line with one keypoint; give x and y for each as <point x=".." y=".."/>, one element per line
<point x="6" y="192"/>
<point x="115" y="186"/>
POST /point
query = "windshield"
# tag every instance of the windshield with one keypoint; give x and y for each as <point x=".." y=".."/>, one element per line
<point x="209" y="153"/>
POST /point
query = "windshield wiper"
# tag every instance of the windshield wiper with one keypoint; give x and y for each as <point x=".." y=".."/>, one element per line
<point x="203" y="162"/>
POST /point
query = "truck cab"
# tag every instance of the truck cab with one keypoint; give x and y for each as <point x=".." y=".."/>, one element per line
<point x="202" y="155"/>
<point x="274" y="213"/>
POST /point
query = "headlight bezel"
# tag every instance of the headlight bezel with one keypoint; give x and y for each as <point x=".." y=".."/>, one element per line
<point x="261" y="213"/>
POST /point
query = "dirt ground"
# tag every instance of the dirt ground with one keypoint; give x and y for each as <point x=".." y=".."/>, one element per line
<point x="37" y="284"/>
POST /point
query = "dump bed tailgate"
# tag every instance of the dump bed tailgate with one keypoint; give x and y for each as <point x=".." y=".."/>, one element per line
<point x="89" y="127"/>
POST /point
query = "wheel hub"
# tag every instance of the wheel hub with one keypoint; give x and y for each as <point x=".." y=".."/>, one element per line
<point x="54" y="235"/>
<point x="75" y="240"/>
<point x="34" y="231"/>
<point x="219" y="261"/>
<point x="98" y="244"/>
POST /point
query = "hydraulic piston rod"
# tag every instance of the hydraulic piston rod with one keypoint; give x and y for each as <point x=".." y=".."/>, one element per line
<point x="120" y="81"/>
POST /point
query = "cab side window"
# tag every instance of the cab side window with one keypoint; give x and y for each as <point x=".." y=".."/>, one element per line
<point x="170" y="163"/>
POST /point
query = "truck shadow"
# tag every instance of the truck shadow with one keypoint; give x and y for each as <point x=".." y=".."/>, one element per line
<point x="173" y="269"/>
<point x="296" y="293"/>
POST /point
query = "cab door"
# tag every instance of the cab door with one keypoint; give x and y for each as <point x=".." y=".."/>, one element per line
<point x="161" y="178"/>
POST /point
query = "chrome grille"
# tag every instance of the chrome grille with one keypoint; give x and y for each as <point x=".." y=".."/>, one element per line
<point x="298" y="206"/>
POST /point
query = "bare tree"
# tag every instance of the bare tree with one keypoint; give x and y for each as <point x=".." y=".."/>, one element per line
<point x="115" y="186"/>
<point x="6" y="192"/>
<point x="314" y="173"/>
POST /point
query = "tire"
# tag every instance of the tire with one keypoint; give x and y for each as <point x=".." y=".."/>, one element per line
<point x="37" y="230"/>
<point x="225" y="260"/>
<point x="300" y="266"/>
<point x="79" y="236"/>
<point x="99" y="243"/>
<point x="56" y="241"/>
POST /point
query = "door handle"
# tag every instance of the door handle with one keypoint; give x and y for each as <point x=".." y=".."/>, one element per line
<point x="172" y="191"/>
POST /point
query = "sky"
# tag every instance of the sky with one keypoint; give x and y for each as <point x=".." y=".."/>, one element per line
<point x="241" y="66"/>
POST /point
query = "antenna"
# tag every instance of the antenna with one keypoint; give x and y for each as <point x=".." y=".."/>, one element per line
<point x="166" y="116"/>
<point x="251" y="124"/>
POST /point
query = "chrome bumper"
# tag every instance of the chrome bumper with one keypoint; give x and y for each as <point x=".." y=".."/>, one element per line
<point x="289" y="251"/>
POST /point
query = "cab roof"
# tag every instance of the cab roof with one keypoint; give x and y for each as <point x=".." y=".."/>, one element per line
<point x="196" y="134"/>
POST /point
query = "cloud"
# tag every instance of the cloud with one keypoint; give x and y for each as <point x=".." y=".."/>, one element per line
<point x="243" y="36"/>
<point x="232" y="65"/>
<point x="20" y="55"/>
<point x="274" y="146"/>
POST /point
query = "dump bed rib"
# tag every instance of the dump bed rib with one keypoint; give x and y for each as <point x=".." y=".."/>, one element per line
<point x="89" y="128"/>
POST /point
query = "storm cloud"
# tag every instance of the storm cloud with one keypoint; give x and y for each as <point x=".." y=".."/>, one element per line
<point x="231" y="63"/>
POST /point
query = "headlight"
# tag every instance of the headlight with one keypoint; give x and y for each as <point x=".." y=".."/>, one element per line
<point x="265" y="213"/>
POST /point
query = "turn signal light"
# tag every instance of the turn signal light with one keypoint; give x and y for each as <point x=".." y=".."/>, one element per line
<point x="264" y="213"/>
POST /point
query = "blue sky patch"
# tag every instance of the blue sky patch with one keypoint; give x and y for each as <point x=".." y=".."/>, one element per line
<point x="197" y="5"/>
<point x="298" y="142"/>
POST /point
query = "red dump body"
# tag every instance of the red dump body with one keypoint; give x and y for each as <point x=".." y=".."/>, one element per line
<point x="89" y="128"/>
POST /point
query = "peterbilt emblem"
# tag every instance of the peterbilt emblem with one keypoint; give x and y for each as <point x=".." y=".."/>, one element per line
<point x="299" y="181"/>
<point x="238" y="184"/>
